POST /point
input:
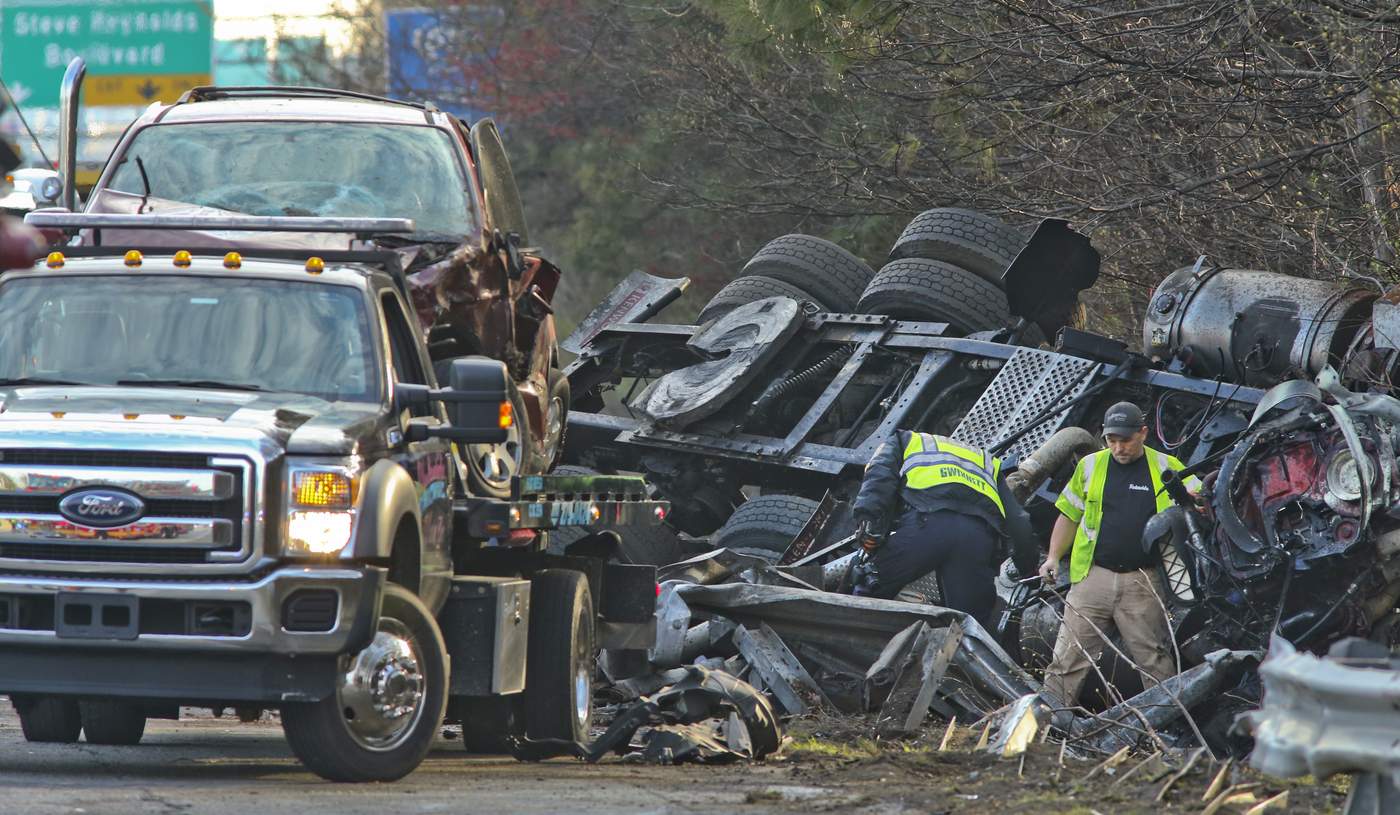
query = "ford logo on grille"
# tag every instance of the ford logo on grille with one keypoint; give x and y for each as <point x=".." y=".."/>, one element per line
<point x="101" y="507"/>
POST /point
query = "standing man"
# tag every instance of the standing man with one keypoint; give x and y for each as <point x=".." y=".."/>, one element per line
<point x="954" y="511"/>
<point x="1103" y="511"/>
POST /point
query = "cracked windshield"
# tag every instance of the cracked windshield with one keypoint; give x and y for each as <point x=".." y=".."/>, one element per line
<point x="255" y="335"/>
<point x="287" y="168"/>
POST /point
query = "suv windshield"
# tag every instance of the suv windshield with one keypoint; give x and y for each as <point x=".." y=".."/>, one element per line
<point x="253" y="334"/>
<point x="342" y="169"/>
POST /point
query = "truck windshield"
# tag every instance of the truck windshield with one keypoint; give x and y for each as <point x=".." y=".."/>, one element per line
<point x="253" y="334"/>
<point x="345" y="169"/>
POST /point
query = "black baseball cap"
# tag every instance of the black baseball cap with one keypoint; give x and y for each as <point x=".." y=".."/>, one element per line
<point x="1123" y="419"/>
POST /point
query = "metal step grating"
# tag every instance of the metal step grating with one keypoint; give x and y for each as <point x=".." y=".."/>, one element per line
<point x="1028" y="383"/>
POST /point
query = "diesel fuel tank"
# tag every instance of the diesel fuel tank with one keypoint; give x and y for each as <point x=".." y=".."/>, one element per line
<point x="1251" y="326"/>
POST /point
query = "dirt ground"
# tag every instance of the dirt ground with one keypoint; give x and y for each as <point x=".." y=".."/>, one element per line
<point x="207" y="765"/>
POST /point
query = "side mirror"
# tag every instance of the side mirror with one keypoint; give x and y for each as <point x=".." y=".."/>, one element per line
<point x="477" y="398"/>
<point x="47" y="190"/>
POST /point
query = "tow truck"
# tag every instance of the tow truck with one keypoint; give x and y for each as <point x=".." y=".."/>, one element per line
<point x="233" y="479"/>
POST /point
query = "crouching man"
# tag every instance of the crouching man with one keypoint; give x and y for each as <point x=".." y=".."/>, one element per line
<point x="1103" y="511"/>
<point x="954" y="514"/>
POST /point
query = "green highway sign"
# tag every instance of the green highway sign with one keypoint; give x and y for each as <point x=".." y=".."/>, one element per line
<point x="137" y="51"/>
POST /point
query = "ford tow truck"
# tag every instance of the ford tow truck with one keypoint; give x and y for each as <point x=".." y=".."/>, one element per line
<point x="234" y="480"/>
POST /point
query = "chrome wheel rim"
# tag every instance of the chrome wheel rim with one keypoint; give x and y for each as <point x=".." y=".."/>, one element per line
<point x="583" y="698"/>
<point x="553" y="429"/>
<point x="382" y="690"/>
<point x="498" y="463"/>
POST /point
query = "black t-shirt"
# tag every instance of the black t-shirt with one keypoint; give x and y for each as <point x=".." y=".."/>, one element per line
<point x="1128" y="503"/>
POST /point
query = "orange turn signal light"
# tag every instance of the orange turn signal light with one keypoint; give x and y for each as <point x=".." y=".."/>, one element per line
<point x="506" y="417"/>
<point x="314" y="489"/>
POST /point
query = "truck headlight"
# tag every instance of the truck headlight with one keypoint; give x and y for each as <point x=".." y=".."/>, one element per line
<point x="318" y="532"/>
<point x="321" y="496"/>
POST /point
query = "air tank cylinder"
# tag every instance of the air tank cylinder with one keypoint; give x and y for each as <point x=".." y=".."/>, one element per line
<point x="1251" y="326"/>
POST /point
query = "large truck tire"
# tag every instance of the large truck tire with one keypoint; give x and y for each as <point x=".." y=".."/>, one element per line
<point x="979" y="243"/>
<point x="764" y="526"/>
<point x="48" y="718"/>
<point x="113" y="722"/>
<point x="829" y="273"/>
<point x="381" y="720"/>
<point x="744" y="290"/>
<point x="559" y="661"/>
<point x="917" y="289"/>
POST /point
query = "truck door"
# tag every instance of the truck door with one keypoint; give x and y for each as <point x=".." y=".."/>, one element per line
<point x="426" y="461"/>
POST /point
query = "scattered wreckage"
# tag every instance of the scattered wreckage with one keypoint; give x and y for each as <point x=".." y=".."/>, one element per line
<point x="758" y="422"/>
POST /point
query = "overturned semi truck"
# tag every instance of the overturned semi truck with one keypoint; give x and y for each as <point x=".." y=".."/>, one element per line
<point x="757" y="423"/>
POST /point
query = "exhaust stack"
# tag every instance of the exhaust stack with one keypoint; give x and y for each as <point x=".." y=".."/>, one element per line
<point x="68" y="130"/>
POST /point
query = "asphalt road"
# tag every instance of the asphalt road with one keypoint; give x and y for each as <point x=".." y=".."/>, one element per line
<point x="207" y="765"/>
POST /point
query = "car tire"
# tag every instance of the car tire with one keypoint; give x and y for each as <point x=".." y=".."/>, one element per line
<point x="976" y="242"/>
<point x="917" y="289"/>
<point x="764" y="526"/>
<point x="342" y="737"/>
<point x="118" y="723"/>
<point x="491" y="466"/>
<point x="48" y="718"/>
<point x="828" y="273"/>
<point x="556" y="421"/>
<point x="560" y="658"/>
<point x="744" y="290"/>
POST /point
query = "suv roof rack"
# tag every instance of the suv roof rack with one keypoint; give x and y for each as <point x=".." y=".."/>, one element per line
<point x="209" y="93"/>
<point x="221" y="223"/>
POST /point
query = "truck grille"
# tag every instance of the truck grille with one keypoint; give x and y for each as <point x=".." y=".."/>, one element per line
<point x="196" y="506"/>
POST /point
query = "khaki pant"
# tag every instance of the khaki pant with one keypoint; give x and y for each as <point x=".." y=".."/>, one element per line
<point x="1129" y="600"/>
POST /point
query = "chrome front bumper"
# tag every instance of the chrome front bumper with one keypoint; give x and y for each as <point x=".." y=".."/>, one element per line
<point x="357" y="591"/>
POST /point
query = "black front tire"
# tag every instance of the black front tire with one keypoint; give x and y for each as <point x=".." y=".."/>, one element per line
<point x="407" y="663"/>
<point x="48" y="719"/>
<point x="560" y="660"/>
<point x="113" y="722"/>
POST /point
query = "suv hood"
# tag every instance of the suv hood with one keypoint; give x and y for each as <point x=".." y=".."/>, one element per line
<point x="295" y="423"/>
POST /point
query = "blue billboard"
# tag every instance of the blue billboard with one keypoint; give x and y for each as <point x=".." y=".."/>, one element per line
<point x="435" y="56"/>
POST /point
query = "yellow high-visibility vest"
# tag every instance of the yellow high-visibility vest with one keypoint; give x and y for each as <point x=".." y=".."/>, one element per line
<point x="935" y="461"/>
<point x="1082" y="501"/>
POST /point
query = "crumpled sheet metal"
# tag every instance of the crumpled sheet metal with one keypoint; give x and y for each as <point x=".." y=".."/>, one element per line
<point x="1163" y="703"/>
<point x="858" y="628"/>
<point x="678" y="717"/>
<point x="1320" y="717"/>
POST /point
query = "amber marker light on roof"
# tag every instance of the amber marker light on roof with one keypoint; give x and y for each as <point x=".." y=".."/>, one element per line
<point x="233" y="260"/>
<point x="55" y="260"/>
<point x="315" y="265"/>
<point x="182" y="259"/>
<point x="132" y="258"/>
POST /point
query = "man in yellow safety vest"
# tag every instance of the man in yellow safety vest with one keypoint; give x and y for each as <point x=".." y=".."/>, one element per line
<point x="1103" y="511"/>
<point x="954" y="510"/>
